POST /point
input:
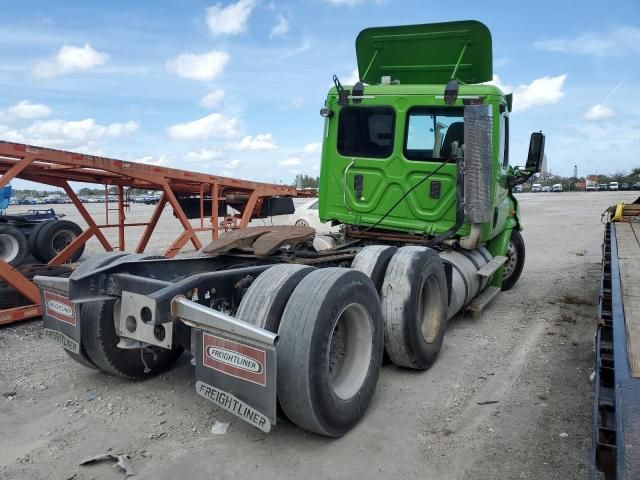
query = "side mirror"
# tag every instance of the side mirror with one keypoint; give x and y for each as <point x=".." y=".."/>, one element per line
<point x="536" y="152"/>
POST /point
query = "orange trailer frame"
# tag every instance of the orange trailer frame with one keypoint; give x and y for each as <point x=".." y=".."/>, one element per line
<point x="57" y="168"/>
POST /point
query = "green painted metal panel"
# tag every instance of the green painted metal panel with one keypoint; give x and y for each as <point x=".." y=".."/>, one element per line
<point x="426" y="54"/>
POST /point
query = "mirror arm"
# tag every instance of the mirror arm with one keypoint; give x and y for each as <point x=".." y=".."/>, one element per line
<point x="519" y="178"/>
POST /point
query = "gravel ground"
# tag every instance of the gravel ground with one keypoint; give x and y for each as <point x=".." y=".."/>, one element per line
<point x="529" y="355"/>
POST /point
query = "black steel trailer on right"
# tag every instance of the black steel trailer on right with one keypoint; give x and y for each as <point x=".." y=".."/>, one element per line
<point x="616" y="437"/>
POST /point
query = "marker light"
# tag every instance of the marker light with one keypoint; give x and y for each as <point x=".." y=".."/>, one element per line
<point x="326" y="112"/>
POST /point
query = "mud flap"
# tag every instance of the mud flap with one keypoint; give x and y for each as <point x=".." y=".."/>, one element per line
<point x="236" y="362"/>
<point x="238" y="376"/>
<point x="61" y="320"/>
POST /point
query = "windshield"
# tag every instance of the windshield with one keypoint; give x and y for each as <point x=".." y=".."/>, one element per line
<point x="434" y="133"/>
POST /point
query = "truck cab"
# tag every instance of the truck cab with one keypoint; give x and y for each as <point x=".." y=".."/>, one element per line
<point x="613" y="186"/>
<point x="396" y="154"/>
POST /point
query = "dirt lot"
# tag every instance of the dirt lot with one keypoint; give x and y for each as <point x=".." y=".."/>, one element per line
<point x="530" y="354"/>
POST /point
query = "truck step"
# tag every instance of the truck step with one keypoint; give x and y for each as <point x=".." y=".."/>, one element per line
<point x="490" y="268"/>
<point x="479" y="303"/>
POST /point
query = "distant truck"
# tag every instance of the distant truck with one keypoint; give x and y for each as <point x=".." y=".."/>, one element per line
<point x="537" y="187"/>
<point x="556" y="187"/>
<point x="613" y="186"/>
<point x="591" y="186"/>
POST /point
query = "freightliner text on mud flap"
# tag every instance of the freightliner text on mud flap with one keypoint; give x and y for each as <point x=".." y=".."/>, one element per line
<point x="235" y="363"/>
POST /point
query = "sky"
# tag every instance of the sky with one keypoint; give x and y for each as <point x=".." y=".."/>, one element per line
<point x="234" y="88"/>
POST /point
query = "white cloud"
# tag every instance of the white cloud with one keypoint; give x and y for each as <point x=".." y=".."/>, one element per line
<point x="312" y="148"/>
<point x="306" y="45"/>
<point x="259" y="143"/>
<point x="281" y="27"/>
<point x="617" y="41"/>
<point x="234" y="163"/>
<point x="212" y="99"/>
<point x="25" y="110"/>
<point x="352" y="79"/>
<point x="204" y="155"/>
<point x="542" y="91"/>
<point x="598" y="112"/>
<point x="290" y="162"/>
<point x="70" y="59"/>
<point x="498" y="83"/>
<point x="229" y="20"/>
<point x="67" y="134"/>
<point x="214" y="125"/>
<point x="199" y="66"/>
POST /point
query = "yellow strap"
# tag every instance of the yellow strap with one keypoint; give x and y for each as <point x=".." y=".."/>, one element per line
<point x="617" y="217"/>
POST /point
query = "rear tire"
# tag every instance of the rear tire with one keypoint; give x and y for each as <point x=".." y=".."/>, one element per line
<point x="267" y="297"/>
<point x="515" y="261"/>
<point x="33" y="235"/>
<point x="101" y="339"/>
<point x="414" y="303"/>
<point x="91" y="263"/>
<point x="14" y="247"/>
<point x="329" y="352"/>
<point x="373" y="261"/>
<point x="54" y="237"/>
<point x="10" y="297"/>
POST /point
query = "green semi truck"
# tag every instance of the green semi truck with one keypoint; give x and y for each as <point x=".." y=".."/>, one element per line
<point x="286" y="324"/>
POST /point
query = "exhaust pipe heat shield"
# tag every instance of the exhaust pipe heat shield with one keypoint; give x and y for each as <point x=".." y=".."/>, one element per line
<point x="478" y="154"/>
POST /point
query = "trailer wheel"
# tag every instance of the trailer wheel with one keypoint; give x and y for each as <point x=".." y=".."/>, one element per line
<point x="54" y="237"/>
<point x="268" y="295"/>
<point x="373" y="261"/>
<point x="414" y="303"/>
<point x="101" y="339"/>
<point x="33" y="234"/>
<point x="515" y="261"/>
<point x="329" y="351"/>
<point x="13" y="245"/>
<point x="11" y="298"/>
<point x="91" y="263"/>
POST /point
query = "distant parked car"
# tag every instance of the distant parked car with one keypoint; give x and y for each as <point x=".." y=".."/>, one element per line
<point x="591" y="187"/>
<point x="625" y="186"/>
<point x="557" y="187"/>
<point x="536" y="187"/>
<point x="613" y="186"/>
<point x="546" y="188"/>
<point x="635" y="186"/>
<point x="602" y="187"/>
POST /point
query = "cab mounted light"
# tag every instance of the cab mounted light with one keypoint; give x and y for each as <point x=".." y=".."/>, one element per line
<point x="451" y="92"/>
<point x="326" y="112"/>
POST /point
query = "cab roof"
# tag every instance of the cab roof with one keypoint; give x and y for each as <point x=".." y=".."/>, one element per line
<point x="431" y="53"/>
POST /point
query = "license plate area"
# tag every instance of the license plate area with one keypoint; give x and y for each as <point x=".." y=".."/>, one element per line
<point x="61" y="320"/>
<point x="237" y="375"/>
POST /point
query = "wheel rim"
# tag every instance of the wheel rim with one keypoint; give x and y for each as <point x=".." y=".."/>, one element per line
<point x="350" y="351"/>
<point x="431" y="309"/>
<point x="9" y="247"/>
<point x="302" y="223"/>
<point x="512" y="260"/>
<point x="62" y="239"/>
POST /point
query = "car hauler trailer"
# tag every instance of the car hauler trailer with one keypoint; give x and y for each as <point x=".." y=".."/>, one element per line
<point x="616" y="434"/>
<point x="283" y="323"/>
